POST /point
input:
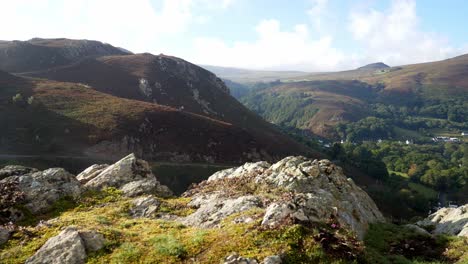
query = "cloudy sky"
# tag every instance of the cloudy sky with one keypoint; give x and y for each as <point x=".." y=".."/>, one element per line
<point x="308" y="35"/>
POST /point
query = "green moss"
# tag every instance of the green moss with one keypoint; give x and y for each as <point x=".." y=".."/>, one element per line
<point x="158" y="241"/>
<point x="169" y="245"/>
<point x="127" y="253"/>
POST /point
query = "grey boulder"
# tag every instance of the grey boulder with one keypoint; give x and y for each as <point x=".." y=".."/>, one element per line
<point x="146" y="206"/>
<point x="451" y="221"/>
<point x="69" y="247"/>
<point x="43" y="188"/>
<point x="15" y="170"/>
<point x="130" y="175"/>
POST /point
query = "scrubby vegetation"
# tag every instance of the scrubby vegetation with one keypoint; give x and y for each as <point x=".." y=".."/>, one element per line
<point x="144" y="240"/>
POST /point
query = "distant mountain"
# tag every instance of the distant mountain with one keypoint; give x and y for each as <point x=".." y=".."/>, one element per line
<point x="439" y="78"/>
<point x="251" y="76"/>
<point x="39" y="54"/>
<point x="374" y="66"/>
<point x="412" y="101"/>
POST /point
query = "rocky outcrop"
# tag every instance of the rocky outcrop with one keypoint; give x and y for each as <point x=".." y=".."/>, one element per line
<point x="15" y="170"/>
<point x="451" y="221"/>
<point x="213" y="209"/>
<point x="41" y="189"/>
<point x="294" y="189"/>
<point x="69" y="247"/>
<point x="131" y="175"/>
<point x="236" y="259"/>
<point x="145" y="206"/>
<point x="272" y="260"/>
<point x="91" y="172"/>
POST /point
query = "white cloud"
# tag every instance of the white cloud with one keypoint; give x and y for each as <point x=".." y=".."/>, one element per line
<point x="138" y="25"/>
<point x="395" y="37"/>
<point x="273" y="49"/>
<point x="317" y="12"/>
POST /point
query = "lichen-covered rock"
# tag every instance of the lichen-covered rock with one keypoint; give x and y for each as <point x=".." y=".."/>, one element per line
<point x="91" y="172"/>
<point x="247" y="168"/>
<point x="42" y="189"/>
<point x="69" y="247"/>
<point x="93" y="241"/>
<point x="451" y="221"/>
<point x="213" y="209"/>
<point x="131" y="175"/>
<point x="272" y="260"/>
<point x="146" y="206"/>
<point x="15" y="170"/>
<point x="236" y="259"/>
<point x="294" y="189"/>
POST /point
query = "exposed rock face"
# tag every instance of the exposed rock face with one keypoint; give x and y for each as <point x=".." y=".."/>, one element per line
<point x="272" y="260"/>
<point x="68" y="247"/>
<point x="452" y="221"/>
<point x="91" y="172"/>
<point x="15" y="170"/>
<point x="236" y="259"/>
<point x="145" y="206"/>
<point x="213" y="209"/>
<point x="247" y="168"/>
<point x="93" y="241"/>
<point x="293" y="189"/>
<point x="42" y="189"/>
<point x="131" y="175"/>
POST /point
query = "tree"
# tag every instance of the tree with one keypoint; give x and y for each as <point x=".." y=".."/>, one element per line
<point x="18" y="99"/>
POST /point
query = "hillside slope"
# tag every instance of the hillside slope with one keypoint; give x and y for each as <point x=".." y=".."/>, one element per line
<point x="57" y="118"/>
<point x="439" y="78"/>
<point x="173" y="82"/>
<point x="37" y="53"/>
<point x="410" y="102"/>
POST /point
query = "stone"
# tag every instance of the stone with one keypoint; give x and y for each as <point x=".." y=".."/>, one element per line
<point x="247" y="168"/>
<point x="69" y="247"/>
<point x="93" y="241"/>
<point x="213" y="210"/>
<point x="66" y="248"/>
<point x="418" y="230"/>
<point x="451" y="221"/>
<point x="132" y="176"/>
<point x="91" y="172"/>
<point x="42" y="189"/>
<point x="272" y="260"/>
<point x="236" y="259"/>
<point x="294" y="189"/>
<point x="15" y="170"/>
<point x="4" y="235"/>
<point x="146" y="206"/>
<point x="277" y="212"/>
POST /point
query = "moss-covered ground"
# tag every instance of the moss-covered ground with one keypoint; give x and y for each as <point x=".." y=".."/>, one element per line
<point x="146" y="240"/>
